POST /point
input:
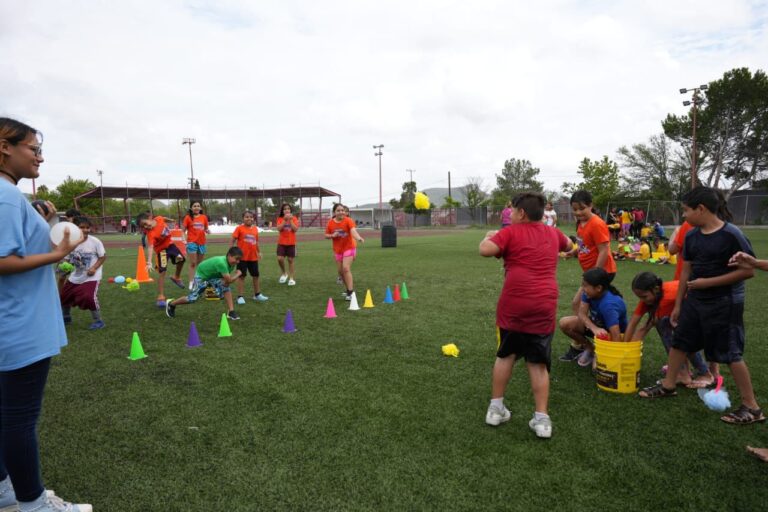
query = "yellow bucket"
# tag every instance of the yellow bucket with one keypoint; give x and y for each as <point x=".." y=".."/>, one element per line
<point x="618" y="365"/>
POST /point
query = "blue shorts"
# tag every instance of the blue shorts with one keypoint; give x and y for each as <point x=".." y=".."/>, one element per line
<point x="193" y="247"/>
<point x="201" y="284"/>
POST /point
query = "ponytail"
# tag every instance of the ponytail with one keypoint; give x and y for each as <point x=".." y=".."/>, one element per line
<point x="599" y="277"/>
<point x="712" y="199"/>
<point x="722" y="210"/>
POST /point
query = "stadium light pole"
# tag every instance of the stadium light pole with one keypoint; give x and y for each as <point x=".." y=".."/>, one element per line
<point x="381" y="202"/>
<point x="189" y="141"/>
<point x="696" y="100"/>
<point x="101" y="188"/>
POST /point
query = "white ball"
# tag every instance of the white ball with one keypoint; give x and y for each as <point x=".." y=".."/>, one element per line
<point x="57" y="232"/>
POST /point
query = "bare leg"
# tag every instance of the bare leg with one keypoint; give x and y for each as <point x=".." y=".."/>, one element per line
<point x="740" y="374"/>
<point x="574" y="329"/>
<point x="502" y="371"/>
<point x="291" y="269"/>
<point x="161" y="285"/>
<point x="760" y="453"/>
<point x="192" y="265"/>
<point x="179" y="266"/>
<point x="240" y="285"/>
<point x="281" y="263"/>
<point x="539" y="385"/>
<point x="228" y="300"/>
<point x="347" y="272"/>
<point x="674" y="363"/>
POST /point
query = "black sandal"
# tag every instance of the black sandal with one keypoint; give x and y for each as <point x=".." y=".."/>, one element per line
<point x="744" y="416"/>
<point x="657" y="391"/>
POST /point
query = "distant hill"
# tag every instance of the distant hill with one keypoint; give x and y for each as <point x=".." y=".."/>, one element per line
<point x="436" y="196"/>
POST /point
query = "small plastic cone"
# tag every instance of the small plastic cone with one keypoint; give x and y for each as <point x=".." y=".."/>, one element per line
<point x="397" y="293"/>
<point x="137" y="352"/>
<point x="388" y="296"/>
<point x="224" y="331"/>
<point x="142" y="275"/>
<point x="193" y="340"/>
<point x="353" y="306"/>
<point x="368" y="300"/>
<point x="404" y="291"/>
<point x="288" y="326"/>
<point x="330" y="311"/>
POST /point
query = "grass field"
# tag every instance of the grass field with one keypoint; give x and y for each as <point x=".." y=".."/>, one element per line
<point x="364" y="413"/>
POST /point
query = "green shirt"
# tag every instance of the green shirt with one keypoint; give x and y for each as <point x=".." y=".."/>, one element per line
<point x="213" y="268"/>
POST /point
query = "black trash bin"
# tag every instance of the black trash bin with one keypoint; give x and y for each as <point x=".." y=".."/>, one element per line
<point x="388" y="235"/>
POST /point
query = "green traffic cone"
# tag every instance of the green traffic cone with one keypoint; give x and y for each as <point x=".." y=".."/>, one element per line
<point x="137" y="352"/>
<point x="224" y="331"/>
<point x="404" y="291"/>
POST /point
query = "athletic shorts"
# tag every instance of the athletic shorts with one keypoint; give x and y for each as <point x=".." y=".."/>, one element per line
<point x="349" y="253"/>
<point x="198" y="248"/>
<point x="289" y="251"/>
<point x="534" y="348"/>
<point x="170" y="254"/>
<point x="201" y="284"/>
<point x="82" y="295"/>
<point x="246" y="267"/>
<point x="715" y="325"/>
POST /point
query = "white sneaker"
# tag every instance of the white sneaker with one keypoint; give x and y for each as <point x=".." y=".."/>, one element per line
<point x="240" y="300"/>
<point x="283" y="279"/>
<point x="52" y="503"/>
<point x="542" y="427"/>
<point x="291" y="282"/>
<point x="496" y="416"/>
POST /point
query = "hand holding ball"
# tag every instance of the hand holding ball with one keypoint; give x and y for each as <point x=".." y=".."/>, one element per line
<point x="57" y="232"/>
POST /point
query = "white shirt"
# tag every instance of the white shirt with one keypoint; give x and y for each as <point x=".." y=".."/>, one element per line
<point x="84" y="257"/>
<point x="550" y="217"/>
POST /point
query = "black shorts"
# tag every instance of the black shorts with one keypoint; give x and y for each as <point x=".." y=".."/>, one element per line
<point x="535" y="348"/>
<point x="288" y="251"/>
<point x="715" y="325"/>
<point x="170" y="254"/>
<point x="248" y="266"/>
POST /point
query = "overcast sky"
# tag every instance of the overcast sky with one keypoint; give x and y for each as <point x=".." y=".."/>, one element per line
<point x="298" y="91"/>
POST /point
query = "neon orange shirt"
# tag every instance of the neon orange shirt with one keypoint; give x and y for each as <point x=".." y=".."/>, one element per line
<point x="591" y="234"/>
<point x="196" y="227"/>
<point x="667" y="303"/>
<point x="286" y="235"/>
<point x="679" y="242"/>
<point x="344" y="242"/>
<point x="160" y="235"/>
<point x="248" y="241"/>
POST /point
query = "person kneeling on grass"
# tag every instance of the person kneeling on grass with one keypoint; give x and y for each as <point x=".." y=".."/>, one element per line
<point x="602" y="314"/>
<point x="217" y="272"/>
<point x="527" y="307"/>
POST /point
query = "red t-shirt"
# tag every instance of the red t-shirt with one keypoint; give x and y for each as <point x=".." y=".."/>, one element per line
<point x="528" y="300"/>
<point x="196" y="227"/>
<point x="590" y="234"/>
<point x="679" y="242"/>
<point x="160" y="235"/>
<point x="248" y="241"/>
<point x="667" y="303"/>
<point x="286" y="236"/>
<point x="344" y="242"/>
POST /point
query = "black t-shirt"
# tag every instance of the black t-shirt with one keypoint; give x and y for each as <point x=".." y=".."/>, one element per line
<point x="709" y="254"/>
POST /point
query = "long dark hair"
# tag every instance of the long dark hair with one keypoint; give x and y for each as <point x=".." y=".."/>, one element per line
<point x="282" y="209"/>
<point x="712" y="199"/>
<point x="647" y="282"/>
<point x="599" y="277"/>
<point x="190" y="212"/>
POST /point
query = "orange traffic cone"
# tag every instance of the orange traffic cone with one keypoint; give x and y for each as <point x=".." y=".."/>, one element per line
<point x="142" y="275"/>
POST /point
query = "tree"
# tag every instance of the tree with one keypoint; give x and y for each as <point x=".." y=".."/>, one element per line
<point x="406" y="197"/>
<point x="656" y="170"/>
<point x="731" y="130"/>
<point x="516" y="176"/>
<point x="450" y="203"/>
<point x="474" y="193"/>
<point x="69" y="189"/>
<point x="600" y="178"/>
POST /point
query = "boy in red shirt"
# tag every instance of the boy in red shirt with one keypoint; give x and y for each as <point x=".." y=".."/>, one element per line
<point x="525" y="313"/>
<point x="246" y="237"/>
<point x="159" y="242"/>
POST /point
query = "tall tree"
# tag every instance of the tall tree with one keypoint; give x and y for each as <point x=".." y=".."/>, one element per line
<point x="731" y="130"/>
<point x="474" y="192"/>
<point x="516" y="176"/>
<point x="406" y="197"/>
<point x="657" y="169"/>
<point x="599" y="177"/>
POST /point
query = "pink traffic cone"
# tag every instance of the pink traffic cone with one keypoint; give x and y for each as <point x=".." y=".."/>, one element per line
<point x="330" y="311"/>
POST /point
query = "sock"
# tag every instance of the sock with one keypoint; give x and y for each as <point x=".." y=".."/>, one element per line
<point x="539" y="415"/>
<point x="350" y="292"/>
<point x="498" y="402"/>
<point x="256" y="294"/>
<point x="96" y="315"/>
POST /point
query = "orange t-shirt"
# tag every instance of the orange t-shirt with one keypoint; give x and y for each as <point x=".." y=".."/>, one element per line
<point x="667" y="303"/>
<point x="679" y="242"/>
<point x="345" y="242"/>
<point x="248" y="241"/>
<point x="160" y="235"/>
<point x="286" y="235"/>
<point x="196" y="227"/>
<point x="590" y="234"/>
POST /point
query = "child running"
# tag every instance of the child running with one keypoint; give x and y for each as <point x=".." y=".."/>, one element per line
<point x="594" y="251"/>
<point x="341" y="229"/>
<point x="196" y="226"/>
<point x="657" y="299"/>
<point x="602" y="314"/>
<point x="82" y="286"/>
<point x="246" y="237"/>
<point x="160" y="244"/>
<point x="218" y="273"/>
<point x="287" y="225"/>
<point x="524" y="327"/>
<point x="709" y="307"/>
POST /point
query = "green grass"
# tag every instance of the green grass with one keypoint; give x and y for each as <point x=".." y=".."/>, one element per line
<point x="364" y="413"/>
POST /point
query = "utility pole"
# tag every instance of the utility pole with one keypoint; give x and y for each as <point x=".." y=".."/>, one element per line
<point x="381" y="202"/>
<point x="189" y="141"/>
<point x="696" y="100"/>
<point x="449" y="185"/>
<point x="410" y="171"/>
<point x="101" y="187"/>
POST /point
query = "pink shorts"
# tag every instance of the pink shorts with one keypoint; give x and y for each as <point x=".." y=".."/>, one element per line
<point x="349" y="253"/>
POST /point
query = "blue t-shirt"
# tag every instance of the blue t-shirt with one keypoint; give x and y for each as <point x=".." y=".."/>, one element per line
<point x="607" y="311"/>
<point x="31" y="325"/>
<point x="659" y="229"/>
<point x="709" y="255"/>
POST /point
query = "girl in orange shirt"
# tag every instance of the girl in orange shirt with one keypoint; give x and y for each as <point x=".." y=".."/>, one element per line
<point x="287" y="225"/>
<point x="196" y="225"/>
<point x="341" y="229"/>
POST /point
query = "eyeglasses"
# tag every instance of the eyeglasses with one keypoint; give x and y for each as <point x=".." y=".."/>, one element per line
<point x="37" y="149"/>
